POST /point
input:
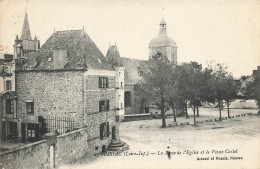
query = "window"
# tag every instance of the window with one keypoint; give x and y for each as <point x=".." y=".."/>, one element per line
<point x="29" y="106"/>
<point x="121" y="105"/>
<point x="121" y="84"/>
<point x="103" y="105"/>
<point x="30" y="130"/>
<point x="127" y="99"/>
<point x="9" y="106"/>
<point x="8" y="85"/>
<point x="103" y="82"/>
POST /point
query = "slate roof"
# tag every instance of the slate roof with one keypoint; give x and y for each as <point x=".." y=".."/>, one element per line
<point x="114" y="56"/>
<point x="132" y="67"/>
<point x="82" y="52"/>
<point x="26" y="34"/>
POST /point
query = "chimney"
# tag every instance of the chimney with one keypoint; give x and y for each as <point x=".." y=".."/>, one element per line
<point x="59" y="58"/>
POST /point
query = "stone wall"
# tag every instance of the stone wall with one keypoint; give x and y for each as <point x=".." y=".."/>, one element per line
<point x="93" y="118"/>
<point x="69" y="148"/>
<point x="54" y="93"/>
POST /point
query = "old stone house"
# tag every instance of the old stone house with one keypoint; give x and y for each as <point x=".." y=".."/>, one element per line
<point x="23" y="47"/>
<point x="64" y="85"/>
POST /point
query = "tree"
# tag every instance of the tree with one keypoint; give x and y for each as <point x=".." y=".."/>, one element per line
<point x="219" y="83"/>
<point x="173" y="87"/>
<point x="230" y="94"/>
<point x="193" y="88"/>
<point x="155" y="80"/>
<point x="252" y="91"/>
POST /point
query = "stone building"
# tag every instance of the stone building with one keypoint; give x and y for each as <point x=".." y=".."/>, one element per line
<point x="65" y="85"/>
<point x="8" y="118"/>
<point x="134" y="69"/>
<point x="163" y="44"/>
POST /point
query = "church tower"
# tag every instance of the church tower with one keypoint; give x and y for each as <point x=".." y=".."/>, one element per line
<point x="163" y="44"/>
<point x="25" y="44"/>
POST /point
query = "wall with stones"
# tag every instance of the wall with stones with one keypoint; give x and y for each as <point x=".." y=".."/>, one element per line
<point x="69" y="148"/>
<point x="54" y="93"/>
<point x="93" y="118"/>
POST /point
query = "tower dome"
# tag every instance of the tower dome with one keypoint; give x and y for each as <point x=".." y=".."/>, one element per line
<point x="163" y="44"/>
<point x="162" y="39"/>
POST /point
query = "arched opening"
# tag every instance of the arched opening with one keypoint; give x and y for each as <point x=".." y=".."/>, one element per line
<point x="104" y="149"/>
<point x="127" y="99"/>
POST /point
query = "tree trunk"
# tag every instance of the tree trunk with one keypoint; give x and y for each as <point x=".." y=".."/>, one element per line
<point x="194" y="114"/>
<point x="186" y="109"/>
<point x="198" y="111"/>
<point x="163" y="113"/>
<point x="228" y="109"/>
<point x="220" y="107"/>
<point x="174" y="113"/>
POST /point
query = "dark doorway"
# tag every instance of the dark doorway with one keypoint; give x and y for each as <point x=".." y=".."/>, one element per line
<point x="147" y="110"/>
<point x="104" y="149"/>
<point x="23" y="132"/>
<point x="127" y="99"/>
<point x="113" y="133"/>
<point x="3" y="131"/>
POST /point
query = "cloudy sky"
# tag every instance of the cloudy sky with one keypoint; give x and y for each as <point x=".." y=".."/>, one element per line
<point x="225" y="31"/>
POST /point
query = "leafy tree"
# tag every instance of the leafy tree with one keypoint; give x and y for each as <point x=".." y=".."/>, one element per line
<point x="173" y="87"/>
<point x="220" y="86"/>
<point x="155" y="80"/>
<point x="252" y="91"/>
<point x="232" y="88"/>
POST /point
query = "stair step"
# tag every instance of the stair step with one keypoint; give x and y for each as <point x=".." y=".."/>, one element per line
<point x="117" y="145"/>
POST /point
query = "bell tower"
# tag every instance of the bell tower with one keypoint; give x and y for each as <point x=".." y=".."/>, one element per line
<point x="25" y="44"/>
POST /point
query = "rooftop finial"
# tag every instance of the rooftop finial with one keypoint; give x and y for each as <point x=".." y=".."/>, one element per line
<point x="162" y="13"/>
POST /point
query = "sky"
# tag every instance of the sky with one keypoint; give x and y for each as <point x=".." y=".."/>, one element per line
<point x="224" y="31"/>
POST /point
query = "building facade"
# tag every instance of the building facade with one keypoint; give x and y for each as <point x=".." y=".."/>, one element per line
<point x="65" y="85"/>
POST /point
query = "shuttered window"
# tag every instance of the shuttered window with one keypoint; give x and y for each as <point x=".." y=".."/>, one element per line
<point x="9" y="106"/>
<point x="103" y="82"/>
<point x="30" y="107"/>
<point x="103" y="105"/>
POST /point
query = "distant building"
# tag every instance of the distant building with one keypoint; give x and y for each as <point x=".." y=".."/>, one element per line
<point x="256" y="73"/>
<point x="134" y="69"/>
<point x="163" y="44"/>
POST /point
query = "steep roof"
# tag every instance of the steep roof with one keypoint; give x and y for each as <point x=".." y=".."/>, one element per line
<point x="133" y="68"/>
<point x="114" y="56"/>
<point x="26" y="34"/>
<point x="81" y="52"/>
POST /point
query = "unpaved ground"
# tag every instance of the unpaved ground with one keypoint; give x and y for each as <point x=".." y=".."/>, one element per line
<point x="235" y="141"/>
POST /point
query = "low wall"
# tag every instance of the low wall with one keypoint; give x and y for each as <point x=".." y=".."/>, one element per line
<point x="135" y="117"/>
<point x="68" y="148"/>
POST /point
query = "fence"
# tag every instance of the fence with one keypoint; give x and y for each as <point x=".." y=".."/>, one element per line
<point x="59" y="124"/>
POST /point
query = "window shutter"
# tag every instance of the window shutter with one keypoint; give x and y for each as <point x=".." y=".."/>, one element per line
<point x="107" y="104"/>
<point x="107" y="129"/>
<point x="32" y="107"/>
<point x="100" y="106"/>
<point x="99" y="82"/>
<point x="107" y="82"/>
